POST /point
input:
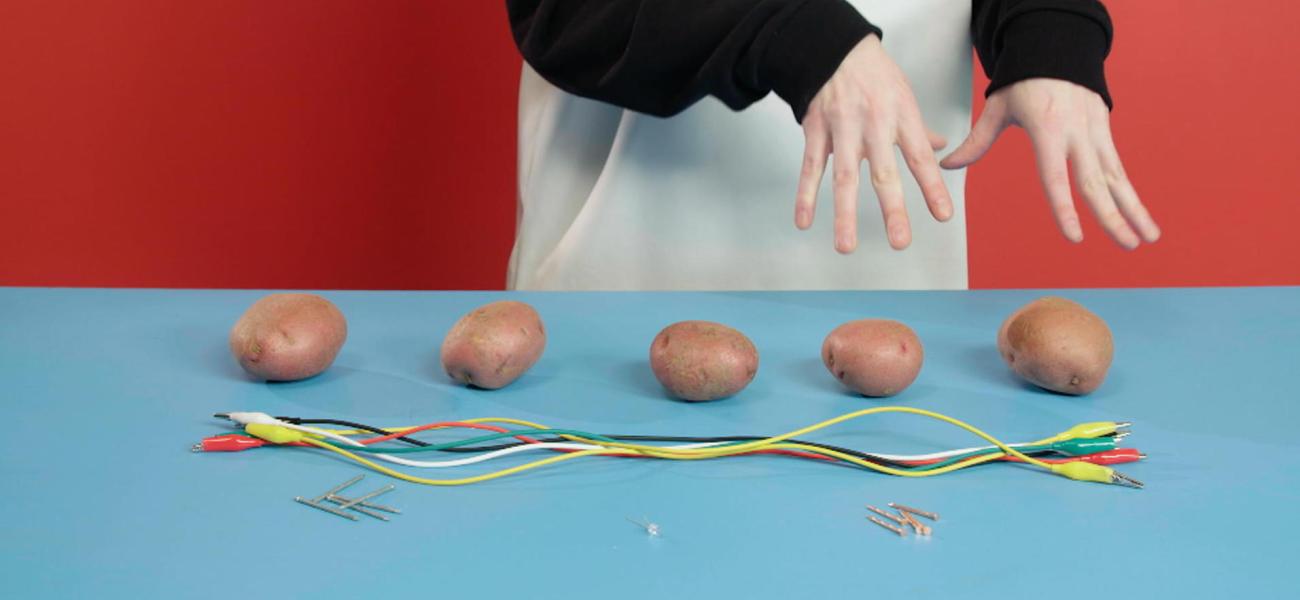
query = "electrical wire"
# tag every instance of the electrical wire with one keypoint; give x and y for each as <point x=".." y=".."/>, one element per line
<point x="350" y="424"/>
<point x="463" y="446"/>
<point x="557" y="443"/>
<point x="281" y="432"/>
<point x="918" y="462"/>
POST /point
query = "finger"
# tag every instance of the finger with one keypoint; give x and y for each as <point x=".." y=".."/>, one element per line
<point x="847" y="155"/>
<point x="920" y="159"/>
<point x="888" y="186"/>
<point x="816" y="147"/>
<point x="1055" y="176"/>
<point x="1093" y="186"/>
<point x="937" y="142"/>
<point x="1122" y="191"/>
<point x="986" y="130"/>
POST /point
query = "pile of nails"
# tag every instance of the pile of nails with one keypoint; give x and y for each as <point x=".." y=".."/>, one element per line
<point x="341" y="505"/>
<point x="905" y="517"/>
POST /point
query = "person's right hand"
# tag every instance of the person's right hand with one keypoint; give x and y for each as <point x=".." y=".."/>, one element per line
<point x="862" y="112"/>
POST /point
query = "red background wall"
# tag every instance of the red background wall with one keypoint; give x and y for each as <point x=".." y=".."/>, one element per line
<point x="350" y="144"/>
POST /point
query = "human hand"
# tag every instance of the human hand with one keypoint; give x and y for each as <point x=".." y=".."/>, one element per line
<point x="862" y="112"/>
<point x="1065" y="122"/>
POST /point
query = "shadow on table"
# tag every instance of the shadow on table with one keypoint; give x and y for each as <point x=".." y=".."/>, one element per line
<point x="811" y="373"/>
<point x="984" y="364"/>
<point x="641" y="380"/>
<point x="353" y="391"/>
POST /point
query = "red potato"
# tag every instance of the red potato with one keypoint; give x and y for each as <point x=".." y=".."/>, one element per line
<point x="286" y="337"/>
<point x="702" y="360"/>
<point x="494" y="344"/>
<point x="873" y="357"/>
<point x="1058" y="345"/>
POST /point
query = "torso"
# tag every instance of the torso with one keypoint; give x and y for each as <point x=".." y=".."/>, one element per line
<point x="612" y="199"/>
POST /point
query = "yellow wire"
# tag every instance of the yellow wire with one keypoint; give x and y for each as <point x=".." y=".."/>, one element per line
<point x="572" y="455"/>
<point x="464" y="480"/>
<point x="759" y="444"/>
<point x="774" y="442"/>
<point x="406" y="427"/>
<point x="661" y="452"/>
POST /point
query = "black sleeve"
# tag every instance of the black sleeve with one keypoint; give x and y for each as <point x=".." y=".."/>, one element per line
<point x="661" y="56"/>
<point x="1062" y="39"/>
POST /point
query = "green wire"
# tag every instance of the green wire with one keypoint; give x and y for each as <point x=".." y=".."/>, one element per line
<point x="484" y="438"/>
<point x="1074" y="447"/>
<point x="470" y="441"/>
<point x="594" y="436"/>
<point x="968" y="455"/>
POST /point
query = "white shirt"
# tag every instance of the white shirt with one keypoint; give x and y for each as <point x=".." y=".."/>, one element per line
<point x="611" y="199"/>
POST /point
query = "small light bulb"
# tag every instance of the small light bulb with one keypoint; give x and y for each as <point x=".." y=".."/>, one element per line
<point x="651" y="528"/>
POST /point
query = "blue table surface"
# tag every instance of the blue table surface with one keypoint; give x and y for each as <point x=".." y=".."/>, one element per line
<point x="106" y="390"/>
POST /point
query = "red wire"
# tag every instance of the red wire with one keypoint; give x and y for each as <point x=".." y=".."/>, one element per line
<point x="235" y="442"/>
<point x="404" y="432"/>
<point x="1106" y="457"/>
<point x="397" y="434"/>
<point x="795" y="453"/>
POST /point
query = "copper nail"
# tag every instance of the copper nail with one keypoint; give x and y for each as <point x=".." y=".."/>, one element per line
<point x="916" y="511"/>
<point x="887" y="515"/>
<point x="897" y="530"/>
<point x="919" y="528"/>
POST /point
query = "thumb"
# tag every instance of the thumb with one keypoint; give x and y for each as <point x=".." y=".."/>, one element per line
<point x="982" y="135"/>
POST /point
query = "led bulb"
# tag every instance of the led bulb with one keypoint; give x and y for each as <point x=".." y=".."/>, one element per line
<point x="651" y="528"/>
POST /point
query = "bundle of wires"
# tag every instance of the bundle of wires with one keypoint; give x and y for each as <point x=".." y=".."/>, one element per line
<point x="1081" y="452"/>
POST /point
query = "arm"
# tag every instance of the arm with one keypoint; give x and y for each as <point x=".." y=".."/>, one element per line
<point x="1058" y="39"/>
<point x="820" y="56"/>
<point x="661" y="56"/>
<point x="1044" y="59"/>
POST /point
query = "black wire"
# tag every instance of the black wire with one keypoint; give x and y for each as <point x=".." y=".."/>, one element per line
<point x="625" y="438"/>
<point x="687" y="439"/>
<point x="880" y="460"/>
<point x="351" y="425"/>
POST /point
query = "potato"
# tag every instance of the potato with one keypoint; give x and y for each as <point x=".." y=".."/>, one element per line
<point x="1057" y="344"/>
<point x="873" y="357"/>
<point x="494" y="344"/>
<point x="702" y="360"/>
<point x="286" y="337"/>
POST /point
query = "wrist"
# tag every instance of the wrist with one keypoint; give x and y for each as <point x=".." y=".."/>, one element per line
<point x="809" y="48"/>
<point x="1054" y="45"/>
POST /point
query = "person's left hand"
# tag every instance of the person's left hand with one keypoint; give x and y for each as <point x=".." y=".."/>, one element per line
<point x="1065" y="122"/>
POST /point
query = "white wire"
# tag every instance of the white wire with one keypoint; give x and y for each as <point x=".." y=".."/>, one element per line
<point x="426" y="464"/>
<point x="244" y="418"/>
<point x="944" y="454"/>
<point x="525" y="448"/>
